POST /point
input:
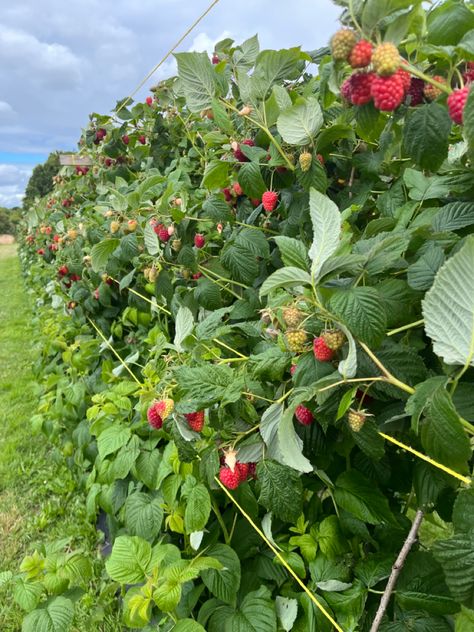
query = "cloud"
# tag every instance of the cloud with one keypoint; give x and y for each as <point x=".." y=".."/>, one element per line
<point x="13" y="180"/>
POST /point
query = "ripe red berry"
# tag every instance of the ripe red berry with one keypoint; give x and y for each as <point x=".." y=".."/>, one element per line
<point x="388" y="92"/>
<point x="163" y="234"/>
<point x="40" y="251"/>
<point x="149" y="100"/>
<point x="242" y="470"/>
<point x="321" y="351"/>
<point x="63" y="270"/>
<point x="142" y="139"/>
<point x="346" y="90"/>
<point x="304" y="415"/>
<point x="361" y="54"/>
<point x="227" y="195"/>
<point x="415" y="91"/>
<point x="456" y="102"/>
<point x="197" y="275"/>
<point x="269" y="200"/>
<point x="405" y="77"/>
<point x="125" y="139"/>
<point x="361" y="83"/>
<point x="293" y="369"/>
<point x="237" y="189"/>
<point x="153" y="416"/>
<point x="239" y="154"/>
<point x="199" y="240"/>
<point x="195" y="420"/>
<point x="229" y="478"/>
<point x="215" y="59"/>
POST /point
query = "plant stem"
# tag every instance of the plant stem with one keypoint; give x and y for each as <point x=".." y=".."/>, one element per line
<point x="396" y="569"/>
<point x="392" y="332"/>
<point x="352" y="381"/>
<point x="421" y="75"/>
<point x="388" y="376"/>
<point x="220" y="520"/>
<point x="223" y="344"/>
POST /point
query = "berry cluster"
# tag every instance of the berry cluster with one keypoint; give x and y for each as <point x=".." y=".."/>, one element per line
<point x="158" y="412"/>
<point x="232" y="478"/>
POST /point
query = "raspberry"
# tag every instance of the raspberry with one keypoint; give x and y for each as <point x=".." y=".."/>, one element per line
<point x="292" y="316"/>
<point x="432" y="92"/>
<point x="305" y="161"/>
<point x="199" y="240"/>
<point x="215" y="59"/>
<point x="342" y="43"/>
<point x="149" y="100"/>
<point x="63" y="270"/>
<point x="154" y="418"/>
<point x="388" y="92"/>
<point x="269" y="200"/>
<point x="237" y="189"/>
<point x="229" y="478"/>
<point x="239" y="154"/>
<point x="386" y="59"/>
<point x="346" y="90"/>
<point x="125" y="139"/>
<point x="227" y="195"/>
<point x="142" y="139"/>
<point x="361" y="83"/>
<point x="321" y="351"/>
<point x="242" y="470"/>
<point x="361" y="54"/>
<point x="163" y="234"/>
<point x="165" y="407"/>
<point x="334" y="338"/>
<point x="356" y="419"/>
<point x="468" y="75"/>
<point x="293" y="369"/>
<point x="304" y="415"/>
<point x="456" y="102"/>
<point x="415" y="91"/>
<point x="195" y="420"/>
<point x="405" y="77"/>
<point x="296" y="339"/>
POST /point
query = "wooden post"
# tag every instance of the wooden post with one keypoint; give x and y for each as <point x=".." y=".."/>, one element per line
<point x="73" y="160"/>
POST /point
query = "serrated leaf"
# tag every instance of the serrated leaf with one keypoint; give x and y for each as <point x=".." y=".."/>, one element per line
<point x="448" y="308"/>
<point x="453" y="216"/>
<point x="198" y="509"/>
<point x="326" y="220"/>
<point x="27" y="594"/>
<point x="300" y="123"/>
<point x="285" y="277"/>
<point x="215" y="174"/>
<point x="184" y="325"/>
<point x="129" y="560"/>
<point x="112" y="439"/>
<point x="101" y="253"/>
<point x="251" y="180"/>
<point x="456" y="556"/>
<point x="225" y="583"/>
<point x="360" y="309"/>
<point x="357" y="495"/>
<point x="281" y="491"/>
<point x="143" y="515"/>
<point x="197" y="78"/>
<point x="55" y="615"/>
<point x="293" y="252"/>
<point x="426" y="134"/>
<point x="188" y="625"/>
<point x="151" y="240"/>
<point x="291" y="446"/>
<point x="421" y="274"/>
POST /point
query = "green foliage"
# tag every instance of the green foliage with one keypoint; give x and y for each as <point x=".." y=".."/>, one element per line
<point x="41" y="180"/>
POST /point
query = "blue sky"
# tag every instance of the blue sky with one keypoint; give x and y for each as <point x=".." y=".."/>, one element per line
<point x="60" y="61"/>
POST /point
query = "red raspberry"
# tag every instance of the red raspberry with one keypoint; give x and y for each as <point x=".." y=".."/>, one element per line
<point x="346" y="90"/>
<point x="63" y="270"/>
<point x="164" y="407"/>
<point x="415" y="91"/>
<point x="321" y="351"/>
<point x="215" y="59"/>
<point x="456" y="102"/>
<point x="125" y="139"/>
<point x="195" y="420"/>
<point x="149" y="100"/>
<point x="405" y="77"/>
<point x="229" y="478"/>
<point x="388" y="92"/>
<point x="153" y="416"/>
<point x="40" y="251"/>
<point x="163" y="234"/>
<point x="199" y="240"/>
<point x="252" y="470"/>
<point x="293" y="369"/>
<point x="238" y="153"/>
<point x="197" y="275"/>
<point x="237" y="189"/>
<point x="361" y="83"/>
<point x="361" y="54"/>
<point x="242" y="470"/>
<point x="142" y="139"/>
<point x="255" y="202"/>
<point x="227" y="195"/>
<point x="304" y="415"/>
<point x="269" y="200"/>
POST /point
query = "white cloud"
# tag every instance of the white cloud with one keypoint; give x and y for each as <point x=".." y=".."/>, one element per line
<point x="203" y="43"/>
<point x="13" y="180"/>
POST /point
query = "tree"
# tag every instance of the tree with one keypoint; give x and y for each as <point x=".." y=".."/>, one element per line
<point x="41" y="181"/>
<point x="8" y="220"/>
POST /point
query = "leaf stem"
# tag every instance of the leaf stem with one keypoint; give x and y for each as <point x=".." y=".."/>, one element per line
<point x="417" y="323"/>
<point x="220" y="520"/>
<point x="421" y="75"/>
<point x="388" y="376"/>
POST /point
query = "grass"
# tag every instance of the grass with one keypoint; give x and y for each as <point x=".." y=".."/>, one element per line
<point x="39" y="498"/>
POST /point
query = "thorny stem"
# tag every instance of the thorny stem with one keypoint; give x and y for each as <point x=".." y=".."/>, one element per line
<point x="396" y="570"/>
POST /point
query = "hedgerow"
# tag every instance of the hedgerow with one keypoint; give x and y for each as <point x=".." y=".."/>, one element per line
<point x="258" y="290"/>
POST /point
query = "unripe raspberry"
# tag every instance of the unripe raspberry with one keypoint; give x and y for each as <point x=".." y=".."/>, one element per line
<point x="432" y="92"/>
<point x="229" y="478"/>
<point x="114" y="226"/>
<point x="361" y="54"/>
<point x="164" y="407"/>
<point x="237" y="189"/>
<point x="304" y="415"/>
<point x="305" y="160"/>
<point x="321" y="351"/>
<point x="361" y="84"/>
<point x="293" y="369"/>
<point x="296" y="340"/>
<point x="456" y="102"/>
<point x="386" y="59"/>
<point x="342" y="43"/>
<point x="199" y="240"/>
<point x="269" y="200"/>
<point x="176" y="245"/>
<point x="388" y="92"/>
<point x="356" y="419"/>
<point x="415" y="91"/>
<point x="154" y="418"/>
<point x="292" y="316"/>
<point x="334" y="338"/>
<point x="195" y="420"/>
<point x="163" y="234"/>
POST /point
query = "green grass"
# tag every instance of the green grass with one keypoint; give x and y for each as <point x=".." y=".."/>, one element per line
<point x="39" y="499"/>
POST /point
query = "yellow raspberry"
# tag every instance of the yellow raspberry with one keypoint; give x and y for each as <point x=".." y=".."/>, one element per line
<point x="356" y="419"/>
<point x="342" y="43"/>
<point x="292" y="316"/>
<point x="296" y="339"/>
<point x="305" y="160"/>
<point x="386" y="59"/>
<point x="334" y="338"/>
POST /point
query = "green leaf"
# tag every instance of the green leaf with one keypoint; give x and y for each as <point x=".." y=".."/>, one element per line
<point x="442" y="433"/>
<point x="326" y="220"/>
<point x="369" y="440"/>
<point x="465" y="620"/>
<point x="151" y="240"/>
<point x="361" y="310"/>
<point x="112" y="439"/>
<point x="448" y="22"/>
<point x="251" y="180"/>
<point x="256" y="613"/>
<point x="348" y="367"/>
<point x="453" y="216"/>
<point x="198" y="80"/>
<point x="225" y="583"/>
<point x="281" y="491"/>
<point x="359" y="496"/>
<point x="54" y="615"/>
<point x="463" y="511"/>
<point x="27" y="594"/>
<point x="215" y="174"/>
<point x="426" y="134"/>
<point x="198" y="509"/>
<point x="330" y="538"/>
<point x="468" y="120"/>
<point x="269" y="424"/>
<point x="270" y="364"/>
<point x="184" y="325"/>
<point x="272" y="66"/>
<point x="208" y="385"/>
<point x="101" y="252"/>
<point x="435" y="604"/>
<point x="422" y="273"/>
<point x="144" y="515"/>
<point x="301" y="122"/>
<point x="246" y="54"/>
<point x="293" y="252"/>
<point x="456" y="556"/>
<point x="129" y="560"/>
<point x="285" y="277"/>
<point x="287" y="611"/>
<point x="349" y="604"/>
<point x="374" y="568"/>
<point x="188" y="625"/>
<point x="448" y="308"/>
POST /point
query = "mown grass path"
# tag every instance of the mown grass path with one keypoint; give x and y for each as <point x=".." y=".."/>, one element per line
<point x="39" y="499"/>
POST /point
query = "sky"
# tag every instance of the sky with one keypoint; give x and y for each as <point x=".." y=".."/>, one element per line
<point x="60" y="61"/>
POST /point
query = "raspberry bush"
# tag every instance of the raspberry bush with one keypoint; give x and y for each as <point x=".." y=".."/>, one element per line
<point x="263" y="277"/>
